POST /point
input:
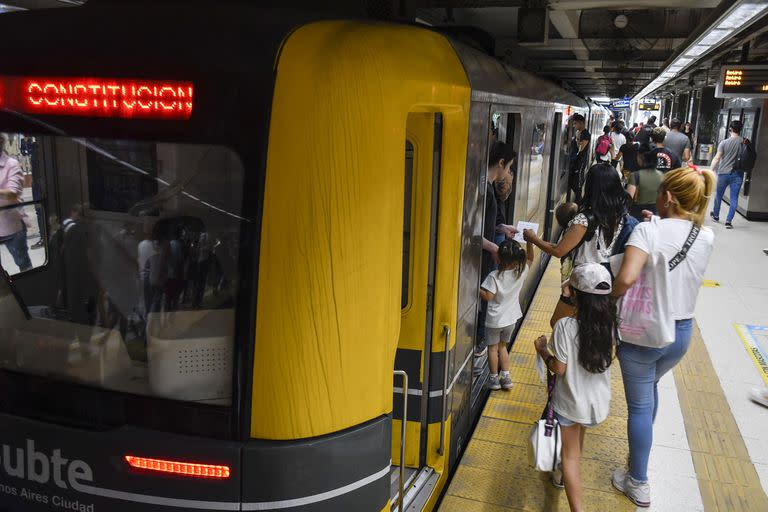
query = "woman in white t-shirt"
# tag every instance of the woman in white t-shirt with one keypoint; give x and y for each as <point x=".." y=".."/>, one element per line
<point x="681" y="203"/>
<point x="591" y="234"/>
<point x="501" y="290"/>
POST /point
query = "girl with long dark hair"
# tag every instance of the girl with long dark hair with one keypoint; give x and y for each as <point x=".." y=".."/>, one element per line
<point x="501" y="289"/>
<point x="582" y="350"/>
<point x="591" y="235"/>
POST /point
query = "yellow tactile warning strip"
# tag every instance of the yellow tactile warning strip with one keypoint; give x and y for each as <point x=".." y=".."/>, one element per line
<point x="727" y="477"/>
<point x="494" y="474"/>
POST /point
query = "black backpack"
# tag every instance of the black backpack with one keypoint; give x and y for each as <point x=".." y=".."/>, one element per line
<point x="643" y="139"/>
<point x="745" y="157"/>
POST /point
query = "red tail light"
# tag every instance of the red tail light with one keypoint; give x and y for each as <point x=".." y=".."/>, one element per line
<point x="179" y="468"/>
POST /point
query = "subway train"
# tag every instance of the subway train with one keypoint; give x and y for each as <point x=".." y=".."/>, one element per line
<point x="243" y="271"/>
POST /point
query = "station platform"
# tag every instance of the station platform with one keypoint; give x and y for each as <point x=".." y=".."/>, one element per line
<point x="710" y="448"/>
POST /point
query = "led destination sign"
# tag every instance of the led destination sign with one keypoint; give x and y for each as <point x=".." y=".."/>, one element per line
<point x="98" y="97"/>
<point x="742" y="81"/>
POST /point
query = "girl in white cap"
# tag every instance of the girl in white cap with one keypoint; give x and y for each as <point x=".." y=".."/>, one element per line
<point x="582" y="349"/>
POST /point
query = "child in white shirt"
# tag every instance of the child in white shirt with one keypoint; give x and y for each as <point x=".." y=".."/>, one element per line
<point x="501" y="289"/>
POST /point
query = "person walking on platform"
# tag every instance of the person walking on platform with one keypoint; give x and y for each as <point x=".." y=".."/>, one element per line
<point x="578" y="154"/>
<point x="643" y="137"/>
<point x="13" y="228"/>
<point x="665" y="125"/>
<point x="677" y="235"/>
<point x="643" y="186"/>
<point x="678" y="143"/>
<point x="728" y="175"/>
<point x="665" y="159"/>
<point x="618" y="140"/>
<point x="580" y="355"/>
<point x="501" y="290"/>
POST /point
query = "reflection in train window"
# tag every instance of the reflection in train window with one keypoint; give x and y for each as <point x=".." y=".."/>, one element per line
<point x="536" y="178"/>
<point x="139" y="293"/>
<point x="407" y="224"/>
<point x="22" y="228"/>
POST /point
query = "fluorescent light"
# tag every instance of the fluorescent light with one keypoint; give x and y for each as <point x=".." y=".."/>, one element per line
<point x="715" y="36"/>
<point x="601" y="99"/>
<point x="697" y="50"/>
<point x="741" y="15"/>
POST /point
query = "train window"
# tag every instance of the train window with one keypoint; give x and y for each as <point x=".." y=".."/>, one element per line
<point x="407" y="224"/>
<point x="22" y="213"/>
<point x="139" y="292"/>
<point x="535" y="176"/>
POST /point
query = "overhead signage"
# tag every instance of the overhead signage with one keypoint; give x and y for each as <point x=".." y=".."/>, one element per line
<point x="620" y="103"/>
<point x="649" y="106"/>
<point x="98" y="97"/>
<point x="748" y="81"/>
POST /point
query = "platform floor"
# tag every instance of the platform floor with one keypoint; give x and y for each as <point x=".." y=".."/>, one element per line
<point x="710" y="450"/>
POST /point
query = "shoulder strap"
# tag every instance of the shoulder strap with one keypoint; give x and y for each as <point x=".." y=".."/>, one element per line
<point x="549" y="410"/>
<point x="680" y="256"/>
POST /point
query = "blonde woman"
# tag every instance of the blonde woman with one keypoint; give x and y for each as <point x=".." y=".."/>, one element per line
<point x="681" y="203"/>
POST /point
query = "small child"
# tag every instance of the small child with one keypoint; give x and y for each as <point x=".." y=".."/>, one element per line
<point x="564" y="215"/>
<point x="582" y="351"/>
<point x="501" y="289"/>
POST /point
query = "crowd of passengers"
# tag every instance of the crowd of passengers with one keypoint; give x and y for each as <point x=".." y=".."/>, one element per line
<point x="639" y="207"/>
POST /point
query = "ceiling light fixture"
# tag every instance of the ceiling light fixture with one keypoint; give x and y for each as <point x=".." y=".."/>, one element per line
<point x="621" y="21"/>
<point x="737" y="18"/>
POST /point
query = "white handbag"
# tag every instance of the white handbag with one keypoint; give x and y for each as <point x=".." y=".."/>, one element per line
<point x="645" y="311"/>
<point x="545" y="441"/>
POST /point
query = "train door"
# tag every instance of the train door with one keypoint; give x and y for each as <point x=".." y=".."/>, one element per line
<point x="422" y="175"/>
<point x="540" y="160"/>
<point x="558" y="154"/>
<point x="507" y="128"/>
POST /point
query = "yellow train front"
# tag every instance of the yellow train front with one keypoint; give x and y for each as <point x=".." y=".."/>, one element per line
<point x="259" y="232"/>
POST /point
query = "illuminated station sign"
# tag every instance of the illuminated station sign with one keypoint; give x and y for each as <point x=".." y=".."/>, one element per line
<point x="98" y="97"/>
<point x="743" y="82"/>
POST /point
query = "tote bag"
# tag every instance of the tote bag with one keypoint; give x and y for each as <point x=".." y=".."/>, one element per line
<point x="645" y="311"/>
<point x="545" y="441"/>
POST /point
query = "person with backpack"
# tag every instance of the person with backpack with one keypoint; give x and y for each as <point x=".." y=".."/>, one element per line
<point x="735" y="155"/>
<point x="678" y="242"/>
<point x="604" y="146"/>
<point x="643" y="137"/>
<point x="597" y="232"/>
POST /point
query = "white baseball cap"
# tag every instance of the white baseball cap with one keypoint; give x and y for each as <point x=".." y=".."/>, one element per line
<point x="591" y="278"/>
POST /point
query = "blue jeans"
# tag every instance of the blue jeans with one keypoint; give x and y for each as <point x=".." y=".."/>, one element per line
<point x="19" y="250"/>
<point x="734" y="179"/>
<point x="641" y="368"/>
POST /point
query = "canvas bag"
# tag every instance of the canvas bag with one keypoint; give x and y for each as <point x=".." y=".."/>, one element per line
<point x="545" y="440"/>
<point x="645" y="311"/>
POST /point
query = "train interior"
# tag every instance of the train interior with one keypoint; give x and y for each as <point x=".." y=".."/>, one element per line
<point x="134" y="269"/>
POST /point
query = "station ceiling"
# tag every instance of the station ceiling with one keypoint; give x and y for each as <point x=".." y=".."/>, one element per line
<point x="597" y="48"/>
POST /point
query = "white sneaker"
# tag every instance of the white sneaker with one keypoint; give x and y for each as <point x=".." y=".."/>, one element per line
<point x="557" y="479"/>
<point x="760" y="396"/>
<point x="506" y="382"/>
<point x="493" y="382"/>
<point x="638" y="493"/>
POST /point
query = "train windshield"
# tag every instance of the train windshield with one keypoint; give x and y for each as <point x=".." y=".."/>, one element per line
<point x="121" y="263"/>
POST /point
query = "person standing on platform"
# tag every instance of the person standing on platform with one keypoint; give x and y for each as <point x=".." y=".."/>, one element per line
<point x="13" y="229"/>
<point x="688" y="132"/>
<point x="682" y="204"/>
<point x="618" y="140"/>
<point x="643" y="186"/>
<point x="643" y="137"/>
<point x="677" y="142"/>
<point x="578" y="154"/>
<point x="724" y="164"/>
<point x="665" y="125"/>
<point x="665" y="159"/>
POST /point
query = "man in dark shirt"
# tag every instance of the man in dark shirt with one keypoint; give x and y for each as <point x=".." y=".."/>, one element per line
<point x="578" y="156"/>
<point x="500" y="160"/>
<point x="629" y="155"/>
<point x="665" y="159"/>
<point x="643" y="137"/>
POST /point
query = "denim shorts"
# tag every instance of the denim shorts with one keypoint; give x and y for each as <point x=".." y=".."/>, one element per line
<point x="565" y="422"/>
